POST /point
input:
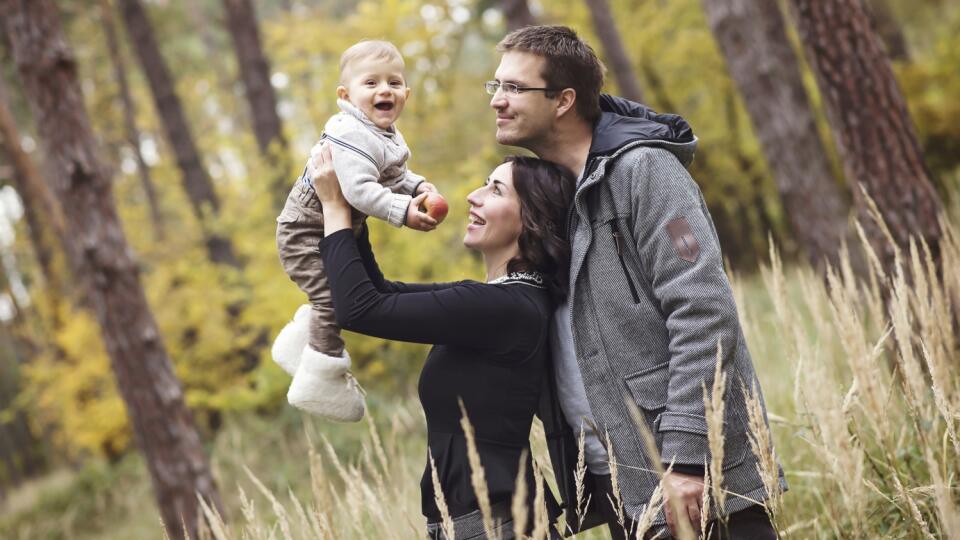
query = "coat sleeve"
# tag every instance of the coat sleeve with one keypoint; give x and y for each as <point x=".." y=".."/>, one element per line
<point x="358" y="162"/>
<point x="681" y="259"/>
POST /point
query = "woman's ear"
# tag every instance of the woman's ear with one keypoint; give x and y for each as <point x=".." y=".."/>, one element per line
<point x="342" y="92"/>
<point x="565" y="101"/>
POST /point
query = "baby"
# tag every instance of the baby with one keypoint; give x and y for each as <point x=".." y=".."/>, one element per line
<point x="369" y="156"/>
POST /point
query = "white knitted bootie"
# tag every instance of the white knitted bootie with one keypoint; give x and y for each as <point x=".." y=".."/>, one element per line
<point x="324" y="386"/>
<point x="288" y="347"/>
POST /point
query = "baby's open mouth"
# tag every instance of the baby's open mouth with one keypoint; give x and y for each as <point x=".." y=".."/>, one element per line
<point x="384" y="106"/>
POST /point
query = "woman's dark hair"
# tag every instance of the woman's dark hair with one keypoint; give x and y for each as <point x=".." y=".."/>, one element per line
<point x="545" y="190"/>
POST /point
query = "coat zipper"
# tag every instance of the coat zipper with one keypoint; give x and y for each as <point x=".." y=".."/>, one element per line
<point x="618" y="239"/>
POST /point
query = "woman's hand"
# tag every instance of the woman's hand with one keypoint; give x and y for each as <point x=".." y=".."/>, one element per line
<point x="323" y="177"/>
<point x="336" y="210"/>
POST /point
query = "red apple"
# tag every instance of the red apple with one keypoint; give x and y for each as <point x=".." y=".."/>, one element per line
<point x="435" y="206"/>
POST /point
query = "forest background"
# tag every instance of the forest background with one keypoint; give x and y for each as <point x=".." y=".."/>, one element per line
<point x="69" y="465"/>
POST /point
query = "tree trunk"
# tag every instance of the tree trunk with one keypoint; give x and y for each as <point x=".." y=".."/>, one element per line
<point x="196" y="182"/>
<point x="753" y="40"/>
<point x="617" y="58"/>
<point x="129" y="118"/>
<point x="872" y="128"/>
<point x="44" y="217"/>
<point x="255" y="73"/>
<point x="517" y="13"/>
<point x="106" y="270"/>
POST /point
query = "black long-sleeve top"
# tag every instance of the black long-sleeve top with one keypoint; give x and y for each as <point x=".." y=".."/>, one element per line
<point x="490" y="350"/>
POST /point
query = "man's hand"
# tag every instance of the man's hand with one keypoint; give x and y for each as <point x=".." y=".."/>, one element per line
<point x="416" y="219"/>
<point x="685" y="494"/>
<point x="424" y="187"/>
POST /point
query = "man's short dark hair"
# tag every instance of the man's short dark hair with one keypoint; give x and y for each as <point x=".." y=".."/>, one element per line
<point x="570" y="62"/>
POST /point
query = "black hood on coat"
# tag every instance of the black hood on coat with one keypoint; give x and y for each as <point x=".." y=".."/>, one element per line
<point x="624" y="122"/>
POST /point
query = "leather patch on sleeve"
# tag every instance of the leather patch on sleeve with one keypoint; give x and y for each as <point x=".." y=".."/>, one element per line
<point x="684" y="243"/>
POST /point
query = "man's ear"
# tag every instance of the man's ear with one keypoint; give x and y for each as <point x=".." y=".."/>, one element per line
<point x="566" y="101"/>
<point x="342" y="92"/>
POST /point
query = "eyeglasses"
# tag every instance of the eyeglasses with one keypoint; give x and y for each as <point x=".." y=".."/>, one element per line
<point x="511" y="89"/>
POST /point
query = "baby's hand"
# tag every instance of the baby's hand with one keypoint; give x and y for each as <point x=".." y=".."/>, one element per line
<point x="419" y="220"/>
<point x="424" y="187"/>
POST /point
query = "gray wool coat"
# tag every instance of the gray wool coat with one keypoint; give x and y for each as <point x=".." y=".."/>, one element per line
<point x="650" y="302"/>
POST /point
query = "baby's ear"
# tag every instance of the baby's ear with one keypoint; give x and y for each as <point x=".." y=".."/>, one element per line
<point x="342" y="92"/>
<point x="408" y="93"/>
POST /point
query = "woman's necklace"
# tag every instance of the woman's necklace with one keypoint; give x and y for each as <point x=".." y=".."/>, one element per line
<point x="533" y="279"/>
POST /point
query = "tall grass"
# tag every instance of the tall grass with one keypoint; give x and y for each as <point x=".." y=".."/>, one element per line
<point x="861" y="387"/>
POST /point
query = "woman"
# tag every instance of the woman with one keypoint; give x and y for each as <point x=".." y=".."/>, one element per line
<point x="490" y="339"/>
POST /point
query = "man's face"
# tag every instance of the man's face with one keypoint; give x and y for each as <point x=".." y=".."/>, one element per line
<point x="526" y="118"/>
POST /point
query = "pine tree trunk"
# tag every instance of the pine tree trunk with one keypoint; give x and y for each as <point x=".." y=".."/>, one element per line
<point x="872" y="128"/>
<point x="44" y="217"/>
<point x="196" y="182"/>
<point x="617" y="59"/>
<point x="255" y="73"/>
<point x="106" y="270"/>
<point x="753" y="40"/>
<point x="517" y="13"/>
<point x="129" y="118"/>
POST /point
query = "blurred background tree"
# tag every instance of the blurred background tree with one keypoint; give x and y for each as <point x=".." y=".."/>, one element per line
<point x="206" y="130"/>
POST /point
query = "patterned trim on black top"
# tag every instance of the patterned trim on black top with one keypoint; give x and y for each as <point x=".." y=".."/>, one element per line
<point x="532" y="279"/>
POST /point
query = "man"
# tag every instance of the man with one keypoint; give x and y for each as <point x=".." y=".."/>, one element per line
<point x="649" y="301"/>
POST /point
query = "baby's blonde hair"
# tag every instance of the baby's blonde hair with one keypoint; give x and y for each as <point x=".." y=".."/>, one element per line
<point x="376" y="49"/>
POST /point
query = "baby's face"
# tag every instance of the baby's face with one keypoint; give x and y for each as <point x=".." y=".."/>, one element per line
<point x="377" y="88"/>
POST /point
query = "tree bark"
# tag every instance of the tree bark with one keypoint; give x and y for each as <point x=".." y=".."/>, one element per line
<point x="753" y="40"/>
<point x="617" y="58"/>
<point x="255" y="73"/>
<point x="45" y="224"/>
<point x="106" y="269"/>
<point x="196" y="182"/>
<point x="517" y="13"/>
<point x="129" y="118"/>
<point x="875" y="137"/>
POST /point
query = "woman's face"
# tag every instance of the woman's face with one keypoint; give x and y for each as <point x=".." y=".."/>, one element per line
<point x="494" y="214"/>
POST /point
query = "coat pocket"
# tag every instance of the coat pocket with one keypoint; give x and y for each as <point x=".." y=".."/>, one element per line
<point x="289" y="214"/>
<point x="648" y="388"/>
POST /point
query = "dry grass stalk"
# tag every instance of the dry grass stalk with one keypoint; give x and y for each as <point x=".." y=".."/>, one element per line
<point x="278" y="508"/>
<point x="842" y="455"/>
<point x="912" y="505"/>
<point x="213" y="520"/>
<point x="863" y="359"/>
<point x="761" y="443"/>
<point x="323" y="505"/>
<point x="705" y="501"/>
<point x="579" y="477"/>
<point x="541" y="519"/>
<point x="943" y="498"/>
<point x="616" y="501"/>
<point x="914" y="385"/>
<point x="441" y="501"/>
<point x="477" y="478"/>
<point x="714" y="405"/>
<point x="518" y="507"/>
<point x="650" y="511"/>
<point x="378" y="445"/>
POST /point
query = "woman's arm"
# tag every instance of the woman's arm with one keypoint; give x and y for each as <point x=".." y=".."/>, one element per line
<point x="376" y="276"/>
<point x="468" y="314"/>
